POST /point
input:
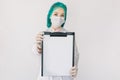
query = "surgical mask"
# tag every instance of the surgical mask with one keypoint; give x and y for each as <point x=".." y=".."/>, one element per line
<point x="57" y="21"/>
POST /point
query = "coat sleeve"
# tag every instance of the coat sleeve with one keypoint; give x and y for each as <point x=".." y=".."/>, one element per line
<point x="76" y="56"/>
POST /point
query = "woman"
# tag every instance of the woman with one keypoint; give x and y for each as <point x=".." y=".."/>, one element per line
<point x="55" y="21"/>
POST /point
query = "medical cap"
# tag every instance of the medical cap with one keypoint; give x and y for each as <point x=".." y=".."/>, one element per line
<point x="52" y="8"/>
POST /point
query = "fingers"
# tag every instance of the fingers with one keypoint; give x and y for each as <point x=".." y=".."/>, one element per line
<point x="73" y="68"/>
<point x="38" y="46"/>
<point x="39" y="41"/>
<point x="39" y="49"/>
<point x="73" y="71"/>
<point x="39" y="37"/>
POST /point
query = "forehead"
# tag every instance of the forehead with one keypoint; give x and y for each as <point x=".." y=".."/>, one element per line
<point x="59" y="10"/>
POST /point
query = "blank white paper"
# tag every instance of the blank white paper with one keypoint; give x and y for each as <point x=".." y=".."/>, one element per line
<point x="57" y="55"/>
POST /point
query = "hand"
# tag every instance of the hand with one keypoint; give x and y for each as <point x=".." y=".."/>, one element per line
<point x="73" y="71"/>
<point x="39" y="39"/>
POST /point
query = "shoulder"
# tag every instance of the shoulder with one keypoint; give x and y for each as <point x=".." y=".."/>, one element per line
<point x="67" y="30"/>
<point x="64" y="30"/>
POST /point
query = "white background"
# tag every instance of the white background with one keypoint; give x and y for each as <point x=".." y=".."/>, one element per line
<point x="97" y="27"/>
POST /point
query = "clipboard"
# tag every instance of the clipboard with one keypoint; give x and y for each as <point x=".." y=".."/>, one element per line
<point x="57" y="53"/>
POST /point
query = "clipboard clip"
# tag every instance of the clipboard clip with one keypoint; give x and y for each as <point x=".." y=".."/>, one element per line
<point x="56" y="34"/>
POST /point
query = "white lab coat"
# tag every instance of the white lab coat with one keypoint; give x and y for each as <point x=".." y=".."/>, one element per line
<point x="56" y="77"/>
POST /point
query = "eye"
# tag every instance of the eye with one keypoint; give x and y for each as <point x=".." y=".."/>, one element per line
<point x="55" y="14"/>
<point x="62" y="15"/>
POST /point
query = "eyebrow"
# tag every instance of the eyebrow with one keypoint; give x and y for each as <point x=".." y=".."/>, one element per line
<point x="57" y="12"/>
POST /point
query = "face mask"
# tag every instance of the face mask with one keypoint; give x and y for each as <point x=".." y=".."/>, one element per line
<point x="57" y="21"/>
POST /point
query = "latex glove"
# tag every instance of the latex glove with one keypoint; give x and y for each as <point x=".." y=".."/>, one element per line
<point x="73" y="71"/>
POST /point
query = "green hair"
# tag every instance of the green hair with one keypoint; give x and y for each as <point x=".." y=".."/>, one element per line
<point x="52" y="8"/>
